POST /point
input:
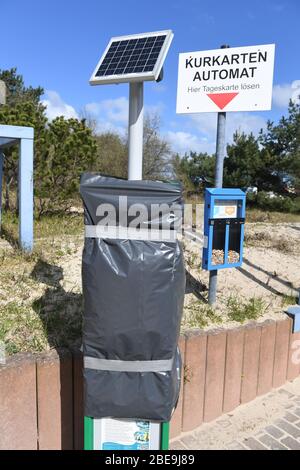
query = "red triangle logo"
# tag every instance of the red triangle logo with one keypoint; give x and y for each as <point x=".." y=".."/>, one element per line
<point x="221" y="99"/>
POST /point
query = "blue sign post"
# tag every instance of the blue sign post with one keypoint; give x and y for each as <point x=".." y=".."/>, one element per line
<point x="10" y="135"/>
<point x="224" y="219"/>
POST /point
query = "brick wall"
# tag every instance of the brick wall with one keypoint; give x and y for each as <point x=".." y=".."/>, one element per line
<point x="41" y="396"/>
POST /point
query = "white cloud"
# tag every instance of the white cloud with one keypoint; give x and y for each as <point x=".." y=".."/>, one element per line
<point x="206" y="124"/>
<point x="283" y="93"/>
<point x="183" y="142"/>
<point x="112" y="115"/>
<point x="115" y="110"/>
<point x="157" y="108"/>
<point x="57" y="107"/>
<point x="198" y="132"/>
<point x="158" y="87"/>
<point x="103" y="126"/>
<point x="244" y="122"/>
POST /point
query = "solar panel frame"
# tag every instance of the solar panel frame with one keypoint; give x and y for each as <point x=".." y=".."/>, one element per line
<point x="138" y="76"/>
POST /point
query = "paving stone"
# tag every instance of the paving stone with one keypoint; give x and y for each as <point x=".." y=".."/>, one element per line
<point x="282" y="433"/>
<point x="253" y="444"/>
<point x="282" y="391"/>
<point x="296" y="411"/>
<point x="289" y="428"/>
<point x="235" y="445"/>
<point x="225" y="423"/>
<point x="289" y="406"/>
<point x="291" y="418"/>
<point x="177" y="445"/>
<point x="272" y="443"/>
<point x="291" y="443"/>
<point x="275" y="432"/>
<point x="190" y="442"/>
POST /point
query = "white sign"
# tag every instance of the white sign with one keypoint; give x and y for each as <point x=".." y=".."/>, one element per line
<point x="126" y="434"/>
<point x="232" y="79"/>
<point x="225" y="209"/>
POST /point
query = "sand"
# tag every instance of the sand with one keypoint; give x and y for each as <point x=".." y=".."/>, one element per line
<point x="270" y="270"/>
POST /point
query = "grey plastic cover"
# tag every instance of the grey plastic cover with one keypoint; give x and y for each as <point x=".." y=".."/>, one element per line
<point x="133" y="299"/>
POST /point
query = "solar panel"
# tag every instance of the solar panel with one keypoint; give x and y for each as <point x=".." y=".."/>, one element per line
<point x="137" y="57"/>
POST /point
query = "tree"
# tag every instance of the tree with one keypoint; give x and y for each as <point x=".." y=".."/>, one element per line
<point x="69" y="150"/>
<point x="63" y="149"/>
<point x="195" y="170"/>
<point x="157" y="154"/>
<point x="249" y="165"/>
<point x="283" y="143"/>
<point x="111" y="156"/>
<point x="23" y="108"/>
<point x="112" y="152"/>
<point x="16" y="90"/>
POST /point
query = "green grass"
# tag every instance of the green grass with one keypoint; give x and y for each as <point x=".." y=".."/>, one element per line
<point x="57" y="225"/>
<point x="258" y="215"/>
<point x="289" y="299"/>
<point x="192" y="260"/>
<point x="265" y="239"/>
<point x="199" y="315"/>
<point x="36" y="312"/>
<point x="20" y="329"/>
<point x="253" y="214"/>
<point x="241" y="311"/>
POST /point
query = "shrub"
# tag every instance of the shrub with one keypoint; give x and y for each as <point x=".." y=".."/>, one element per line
<point x="278" y="203"/>
<point x="241" y="311"/>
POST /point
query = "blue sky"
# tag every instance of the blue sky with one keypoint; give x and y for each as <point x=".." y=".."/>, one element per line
<point x="57" y="43"/>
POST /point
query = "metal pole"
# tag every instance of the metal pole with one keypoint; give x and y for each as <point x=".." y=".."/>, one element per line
<point x="1" y="176"/>
<point x="220" y="155"/>
<point x="135" y="131"/>
<point x="26" y="194"/>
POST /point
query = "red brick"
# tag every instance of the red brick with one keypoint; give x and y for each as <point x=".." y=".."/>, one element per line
<point x="18" y="420"/>
<point x="266" y="358"/>
<point x="281" y="352"/>
<point x="78" y="400"/>
<point x="176" y="421"/>
<point x="55" y="401"/>
<point x="250" y="363"/>
<point x="293" y="369"/>
<point x="233" y="369"/>
<point x="193" y="391"/>
<point x="214" y="377"/>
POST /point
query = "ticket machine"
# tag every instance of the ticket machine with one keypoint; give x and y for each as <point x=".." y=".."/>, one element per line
<point x="224" y="219"/>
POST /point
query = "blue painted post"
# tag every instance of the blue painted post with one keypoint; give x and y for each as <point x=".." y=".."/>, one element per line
<point x="1" y="178"/>
<point x="26" y="194"/>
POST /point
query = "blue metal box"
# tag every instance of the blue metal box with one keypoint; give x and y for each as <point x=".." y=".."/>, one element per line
<point x="224" y="219"/>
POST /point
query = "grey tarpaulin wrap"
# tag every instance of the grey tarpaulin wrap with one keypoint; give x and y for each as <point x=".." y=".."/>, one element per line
<point x="133" y="298"/>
